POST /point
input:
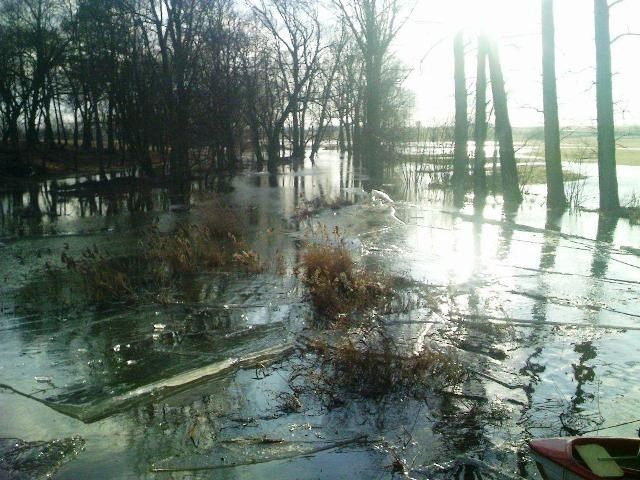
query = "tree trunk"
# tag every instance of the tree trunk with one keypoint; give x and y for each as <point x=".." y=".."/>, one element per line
<point x="179" y="155"/>
<point x="273" y="153"/>
<point x="555" y="182"/>
<point x="111" y="143"/>
<point x="608" y="180"/>
<point x="96" y="116"/>
<point x="508" y="168"/>
<point x="48" y="126"/>
<point x="296" y="134"/>
<point x="87" y="134"/>
<point x="480" y="125"/>
<point x="371" y="134"/>
<point x="341" y="145"/>
<point x="460" y="159"/>
<point x="75" y="127"/>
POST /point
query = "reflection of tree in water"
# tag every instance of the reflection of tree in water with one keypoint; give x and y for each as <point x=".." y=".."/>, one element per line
<point x="462" y="422"/>
<point x="533" y="367"/>
<point x="576" y="419"/>
<point x="506" y="232"/>
<point x="602" y="251"/>
<point x="25" y="207"/>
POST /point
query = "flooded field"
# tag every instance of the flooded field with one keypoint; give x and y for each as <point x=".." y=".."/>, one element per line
<point x="532" y="325"/>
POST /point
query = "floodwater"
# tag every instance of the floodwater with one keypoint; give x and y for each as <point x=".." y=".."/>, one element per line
<point x="543" y="312"/>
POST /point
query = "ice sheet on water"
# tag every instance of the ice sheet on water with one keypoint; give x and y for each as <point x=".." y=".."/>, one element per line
<point x="236" y="452"/>
<point x="101" y="407"/>
<point x="20" y="459"/>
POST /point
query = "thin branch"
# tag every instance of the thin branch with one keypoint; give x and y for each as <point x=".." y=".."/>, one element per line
<point x="628" y="34"/>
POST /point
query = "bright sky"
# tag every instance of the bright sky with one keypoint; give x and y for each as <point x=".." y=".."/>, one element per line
<point x="516" y="24"/>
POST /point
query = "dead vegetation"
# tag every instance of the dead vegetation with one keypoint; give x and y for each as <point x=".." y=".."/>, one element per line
<point x="371" y="364"/>
<point x="214" y="244"/>
<point x="100" y="278"/>
<point x="308" y="208"/>
<point x="194" y="248"/>
<point x="631" y="209"/>
<point x="338" y="287"/>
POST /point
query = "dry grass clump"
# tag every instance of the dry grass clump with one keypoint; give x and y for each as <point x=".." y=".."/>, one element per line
<point x="631" y="210"/>
<point x="163" y="257"/>
<point x="196" y="248"/>
<point x="310" y="207"/>
<point x="373" y="366"/>
<point x="337" y="286"/>
<point x="220" y="221"/>
<point x="102" y="279"/>
<point x="213" y="242"/>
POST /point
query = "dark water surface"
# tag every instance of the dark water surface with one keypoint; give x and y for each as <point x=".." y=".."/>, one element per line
<point x="544" y="311"/>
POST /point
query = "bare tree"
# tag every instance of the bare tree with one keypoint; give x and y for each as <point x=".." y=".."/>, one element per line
<point x="174" y="32"/>
<point x="295" y="32"/>
<point x="608" y="180"/>
<point x="374" y="24"/>
<point x="508" y="167"/>
<point x="461" y="134"/>
<point x="329" y="72"/>
<point x="555" y="182"/>
<point x="480" y="124"/>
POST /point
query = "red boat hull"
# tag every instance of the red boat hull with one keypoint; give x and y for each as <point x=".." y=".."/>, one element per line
<point x="557" y="460"/>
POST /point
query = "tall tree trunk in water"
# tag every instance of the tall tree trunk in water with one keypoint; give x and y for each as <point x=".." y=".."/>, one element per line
<point x="48" y="126"/>
<point x="347" y="135"/>
<point x="604" y="92"/>
<point x="508" y="168"/>
<point x="460" y="159"/>
<point x="99" y="141"/>
<point x="341" y="145"/>
<point x="75" y="127"/>
<point x="371" y="135"/>
<point x="480" y="130"/>
<point x="555" y="182"/>
<point x="111" y="143"/>
<point x="179" y="154"/>
<point x="295" y="132"/>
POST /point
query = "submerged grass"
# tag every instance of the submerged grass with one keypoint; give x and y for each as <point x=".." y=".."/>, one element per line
<point x="338" y="287"/>
<point x="162" y="259"/>
<point x="193" y="248"/>
<point x="100" y="278"/>
<point x="631" y="209"/>
<point x="308" y="208"/>
<point x="372" y="365"/>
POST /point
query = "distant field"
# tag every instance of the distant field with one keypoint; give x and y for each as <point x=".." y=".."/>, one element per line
<point x="627" y="151"/>
<point x="586" y="148"/>
<point x="537" y="174"/>
<point x="583" y="145"/>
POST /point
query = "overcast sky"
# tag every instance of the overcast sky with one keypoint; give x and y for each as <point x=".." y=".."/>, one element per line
<point x="516" y="24"/>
